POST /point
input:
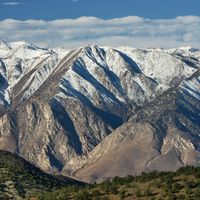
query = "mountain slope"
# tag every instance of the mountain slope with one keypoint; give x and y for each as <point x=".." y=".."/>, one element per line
<point x="19" y="179"/>
<point x="164" y="135"/>
<point x="59" y="114"/>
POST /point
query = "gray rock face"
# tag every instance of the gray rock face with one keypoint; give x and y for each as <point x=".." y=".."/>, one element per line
<point x="100" y="112"/>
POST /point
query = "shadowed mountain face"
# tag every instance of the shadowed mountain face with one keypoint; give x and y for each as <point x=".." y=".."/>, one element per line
<point x="100" y="112"/>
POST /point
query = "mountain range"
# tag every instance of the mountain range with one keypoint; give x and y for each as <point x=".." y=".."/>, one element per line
<point x="97" y="112"/>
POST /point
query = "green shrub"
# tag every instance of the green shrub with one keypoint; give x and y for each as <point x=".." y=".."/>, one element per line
<point x="82" y="195"/>
<point x="147" y="192"/>
<point x="122" y="194"/>
<point x="138" y="192"/>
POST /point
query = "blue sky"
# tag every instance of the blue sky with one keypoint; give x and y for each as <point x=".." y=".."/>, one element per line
<point x="74" y="23"/>
<point x="105" y="9"/>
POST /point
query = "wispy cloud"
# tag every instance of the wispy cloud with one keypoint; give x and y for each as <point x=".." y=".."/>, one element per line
<point x="129" y="31"/>
<point x="13" y="3"/>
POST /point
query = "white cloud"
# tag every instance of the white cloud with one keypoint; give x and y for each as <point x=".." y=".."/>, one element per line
<point x="14" y="3"/>
<point x="129" y="31"/>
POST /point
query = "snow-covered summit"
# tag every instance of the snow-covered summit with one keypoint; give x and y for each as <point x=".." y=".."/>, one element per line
<point x="23" y="44"/>
<point x="19" y="58"/>
<point x="124" y="75"/>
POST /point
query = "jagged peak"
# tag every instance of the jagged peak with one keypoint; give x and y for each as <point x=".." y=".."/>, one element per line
<point x="90" y="47"/>
<point x="94" y="51"/>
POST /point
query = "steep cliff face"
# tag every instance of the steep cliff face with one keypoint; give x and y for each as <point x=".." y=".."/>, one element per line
<point x="61" y="114"/>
